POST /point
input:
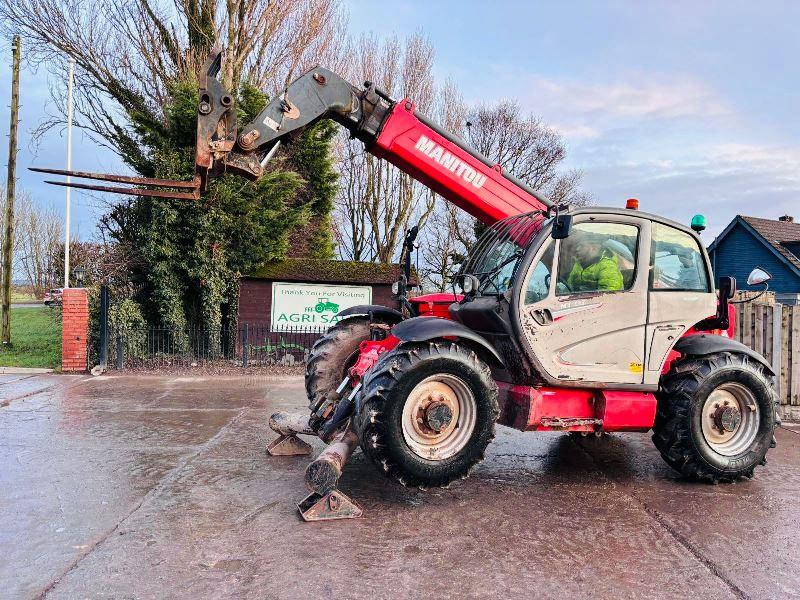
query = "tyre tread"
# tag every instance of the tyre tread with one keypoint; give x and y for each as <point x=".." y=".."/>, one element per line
<point x="672" y="433"/>
<point x="371" y="427"/>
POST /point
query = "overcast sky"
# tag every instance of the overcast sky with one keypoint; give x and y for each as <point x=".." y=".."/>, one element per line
<point x="691" y="107"/>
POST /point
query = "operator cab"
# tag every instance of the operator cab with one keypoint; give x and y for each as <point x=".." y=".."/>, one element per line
<point x="604" y="303"/>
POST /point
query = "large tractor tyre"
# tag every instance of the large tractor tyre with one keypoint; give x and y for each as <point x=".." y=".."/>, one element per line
<point x="428" y="413"/>
<point x="332" y="355"/>
<point x="716" y="417"/>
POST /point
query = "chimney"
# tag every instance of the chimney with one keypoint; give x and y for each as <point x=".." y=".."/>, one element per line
<point x="786" y="219"/>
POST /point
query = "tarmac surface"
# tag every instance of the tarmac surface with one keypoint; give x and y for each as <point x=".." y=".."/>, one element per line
<point x="159" y="487"/>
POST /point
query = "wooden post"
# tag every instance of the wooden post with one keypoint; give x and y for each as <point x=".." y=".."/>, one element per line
<point x="794" y="394"/>
<point x="11" y="184"/>
<point x="777" y="322"/>
<point x="786" y="354"/>
<point x="758" y="328"/>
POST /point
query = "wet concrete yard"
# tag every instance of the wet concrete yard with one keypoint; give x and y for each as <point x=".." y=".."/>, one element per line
<point x="159" y="487"/>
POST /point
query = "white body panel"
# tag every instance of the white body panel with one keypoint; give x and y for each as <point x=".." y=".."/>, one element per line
<point x="597" y="336"/>
<point x="616" y="337"/>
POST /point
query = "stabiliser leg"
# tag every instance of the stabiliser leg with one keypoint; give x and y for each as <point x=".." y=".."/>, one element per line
<point x="288" y="427"/>
<point x="326" y="502"/>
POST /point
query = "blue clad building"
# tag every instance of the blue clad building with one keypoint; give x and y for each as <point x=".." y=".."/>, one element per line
<point x="749" y="242"/>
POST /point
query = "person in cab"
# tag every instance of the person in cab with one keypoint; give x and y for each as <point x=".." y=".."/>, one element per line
<point x="596" y="267"/>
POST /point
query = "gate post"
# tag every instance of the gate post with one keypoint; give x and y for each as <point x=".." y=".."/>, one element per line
<point x="120" y="351"/>
<point x="103" y="326"/>
<point x="74" y="330"/>
<point x="246" y="346"/>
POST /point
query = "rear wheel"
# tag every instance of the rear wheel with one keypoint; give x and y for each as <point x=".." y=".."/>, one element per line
<point x="332" y="355"/>
<point x="428" y="413"/>
<point x="716" y="417"/>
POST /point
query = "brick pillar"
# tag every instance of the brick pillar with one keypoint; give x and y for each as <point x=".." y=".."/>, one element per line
<point x="74" y="330"/>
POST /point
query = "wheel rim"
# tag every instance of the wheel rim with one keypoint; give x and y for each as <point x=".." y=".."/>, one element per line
<point x="730" y="419"/>
<point x="439" y="417"/>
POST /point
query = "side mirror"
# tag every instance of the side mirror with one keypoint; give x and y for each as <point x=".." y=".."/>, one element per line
<point x="399" y="286"/>
<point x="758" y="276"/>
<point x="470" y="285"/>
<point x="562" y="225"/>
<point x="727" y="287"/>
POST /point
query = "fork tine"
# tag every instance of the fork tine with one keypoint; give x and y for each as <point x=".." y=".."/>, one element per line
<point x="173" y="183"/>
<point x="131" y="191"/>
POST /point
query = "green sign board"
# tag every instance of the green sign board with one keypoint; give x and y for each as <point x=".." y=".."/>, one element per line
<point x="313" y="304"/>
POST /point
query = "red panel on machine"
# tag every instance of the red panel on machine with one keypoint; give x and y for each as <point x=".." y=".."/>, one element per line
<point x="528" y="409"/>
<point x="574" y="409"/>
<point x="625" y="411"/>
<point x="449" y="170"/>
<point x="435" y="305"/>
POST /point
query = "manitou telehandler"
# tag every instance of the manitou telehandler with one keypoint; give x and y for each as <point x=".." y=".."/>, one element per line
<point x="591" y="320"/>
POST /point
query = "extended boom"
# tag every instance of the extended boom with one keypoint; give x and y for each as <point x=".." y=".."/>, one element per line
<point x="391" y="130"/>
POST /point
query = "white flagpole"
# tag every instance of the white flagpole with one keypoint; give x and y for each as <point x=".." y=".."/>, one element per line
<point x="69" y="167"/>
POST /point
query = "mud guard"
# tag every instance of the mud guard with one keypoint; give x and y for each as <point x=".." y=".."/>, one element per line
<point x="703" y="344"/>
<point x="424" y="329"/>
<point x="389" y="315"/>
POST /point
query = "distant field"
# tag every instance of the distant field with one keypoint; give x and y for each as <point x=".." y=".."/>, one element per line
<point x="19" y="294"/>
<point x="35" y="339"/>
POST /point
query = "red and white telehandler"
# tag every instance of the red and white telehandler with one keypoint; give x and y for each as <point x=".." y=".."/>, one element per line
<point x="590" y="320"/>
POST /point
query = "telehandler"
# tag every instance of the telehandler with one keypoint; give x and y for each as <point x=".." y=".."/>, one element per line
<point x="590" y="320"/>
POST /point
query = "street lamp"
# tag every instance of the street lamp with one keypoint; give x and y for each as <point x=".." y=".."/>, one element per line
<point x="79" y="273"/>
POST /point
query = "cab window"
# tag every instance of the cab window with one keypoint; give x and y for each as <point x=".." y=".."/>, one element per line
<point x="539" y="280"/>
<point x="676" y="262"/>
<point x="597" y="257"/>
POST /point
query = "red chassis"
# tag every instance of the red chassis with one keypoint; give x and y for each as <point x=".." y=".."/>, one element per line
<point x="546" y="408"/>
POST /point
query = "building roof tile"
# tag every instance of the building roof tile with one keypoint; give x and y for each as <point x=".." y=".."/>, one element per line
<point x="777" y="234"/>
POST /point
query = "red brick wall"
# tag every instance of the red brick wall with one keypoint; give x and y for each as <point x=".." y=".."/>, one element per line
<point x="74" y="330"/>
<point x="255" y="300"/>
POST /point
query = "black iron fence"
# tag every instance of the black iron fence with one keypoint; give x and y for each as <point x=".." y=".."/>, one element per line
<point x="245" y="345"/>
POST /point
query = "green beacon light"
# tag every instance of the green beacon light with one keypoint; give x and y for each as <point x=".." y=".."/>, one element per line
<point x="698" y="223"/>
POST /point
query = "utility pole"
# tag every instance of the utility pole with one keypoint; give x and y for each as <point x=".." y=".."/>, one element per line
<point x="69" y="168"/>
<point x="11" y="184"/>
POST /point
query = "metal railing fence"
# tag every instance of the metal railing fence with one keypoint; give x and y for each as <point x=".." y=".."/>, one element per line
<point x="247" y="344"/>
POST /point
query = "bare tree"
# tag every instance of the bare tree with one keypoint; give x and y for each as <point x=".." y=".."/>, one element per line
<point x="129" y="53"/>
<point x="444" y="245"/>
<point x="377" y="202"/>
<point x="38" y="233"/>
<point x="527" y="148"/>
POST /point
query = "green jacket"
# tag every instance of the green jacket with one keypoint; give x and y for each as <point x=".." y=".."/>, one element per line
<point x="603" y="275"/>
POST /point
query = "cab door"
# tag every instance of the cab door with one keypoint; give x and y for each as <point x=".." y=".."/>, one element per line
<point x="680" y="292"/>
<point x="586" y="324"/>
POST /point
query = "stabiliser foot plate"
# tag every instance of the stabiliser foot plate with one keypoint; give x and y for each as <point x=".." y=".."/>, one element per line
<point x="288" y="445"/>
<point x="333" y="505"/>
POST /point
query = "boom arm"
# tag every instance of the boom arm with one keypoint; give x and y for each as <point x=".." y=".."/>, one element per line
<point x="391" y="130"/>
<point x="396" y="132"/>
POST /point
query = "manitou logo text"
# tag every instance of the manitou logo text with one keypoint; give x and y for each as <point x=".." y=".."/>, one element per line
<point x="455" y="165"/>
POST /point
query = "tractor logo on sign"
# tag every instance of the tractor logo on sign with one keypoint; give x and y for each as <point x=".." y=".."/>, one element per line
<point x="325" y="305"/>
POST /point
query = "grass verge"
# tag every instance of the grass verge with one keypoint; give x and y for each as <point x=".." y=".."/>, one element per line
<point x="35" y="339"/>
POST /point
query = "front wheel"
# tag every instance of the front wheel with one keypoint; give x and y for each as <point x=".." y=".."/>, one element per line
<point x="332" y="355"/>
<point x="427" y="413"/>
<point x="716" y="417"/>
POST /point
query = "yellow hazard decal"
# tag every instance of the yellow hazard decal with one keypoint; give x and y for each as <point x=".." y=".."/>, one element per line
<point x="636" y="367"/>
